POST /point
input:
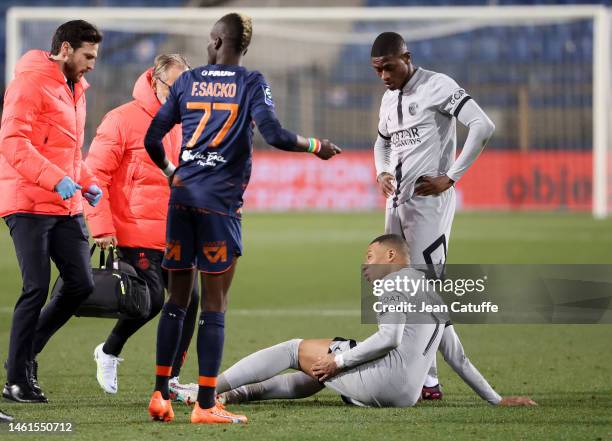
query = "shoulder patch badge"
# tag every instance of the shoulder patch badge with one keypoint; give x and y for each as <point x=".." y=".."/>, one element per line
<point x="268" y="95"/>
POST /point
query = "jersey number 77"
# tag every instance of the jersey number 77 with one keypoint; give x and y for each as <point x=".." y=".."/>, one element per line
<point x="208" y="108"/>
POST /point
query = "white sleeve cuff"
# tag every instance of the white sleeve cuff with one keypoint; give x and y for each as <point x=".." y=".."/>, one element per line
<point x="169" y="170"/>
<point x="339" y="359"/>
<point x="452" y="175"/>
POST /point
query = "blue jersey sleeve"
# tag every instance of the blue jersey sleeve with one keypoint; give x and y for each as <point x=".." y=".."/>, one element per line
<point x="262" y="112"/>
<point x="167" y="117"/>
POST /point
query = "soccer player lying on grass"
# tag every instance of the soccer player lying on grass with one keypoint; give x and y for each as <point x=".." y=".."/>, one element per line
<point x="385" y="370"/>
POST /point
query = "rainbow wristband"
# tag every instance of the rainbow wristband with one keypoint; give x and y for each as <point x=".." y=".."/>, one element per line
<point x="314" y="145"/>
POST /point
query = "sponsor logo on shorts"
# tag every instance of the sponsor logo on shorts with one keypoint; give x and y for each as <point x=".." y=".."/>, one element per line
<point x="216" y="252"/>
<point x="173" y="251"/>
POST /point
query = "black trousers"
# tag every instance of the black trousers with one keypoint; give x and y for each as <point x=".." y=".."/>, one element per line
<point x="38" y="239"/>
<point x="147" y="263"/>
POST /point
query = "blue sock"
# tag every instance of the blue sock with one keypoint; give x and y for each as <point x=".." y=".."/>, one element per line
<point x="211" y="335"/>
<point x="168" y="337"/>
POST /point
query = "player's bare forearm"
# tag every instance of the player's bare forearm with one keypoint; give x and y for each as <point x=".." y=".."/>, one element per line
<point x="432" y="185"/>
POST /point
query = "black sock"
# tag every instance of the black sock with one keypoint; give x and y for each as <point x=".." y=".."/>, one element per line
<point x="113" y="345"/>
<point x="168" y="337"/>
<point x="211" y="335"/>
<point x="189" y="322"/>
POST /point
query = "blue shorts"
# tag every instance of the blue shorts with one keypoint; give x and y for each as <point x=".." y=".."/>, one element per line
<point x="196" y="237"/>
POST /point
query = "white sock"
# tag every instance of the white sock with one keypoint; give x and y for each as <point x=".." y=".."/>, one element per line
<point x="432" y="375"/>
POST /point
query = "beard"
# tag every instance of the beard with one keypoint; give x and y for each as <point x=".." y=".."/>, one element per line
<point x="72" y="72"/>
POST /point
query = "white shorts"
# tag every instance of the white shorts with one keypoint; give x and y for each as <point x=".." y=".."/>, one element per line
<point x="394" y="380"/>
<point x="425" y="222"/>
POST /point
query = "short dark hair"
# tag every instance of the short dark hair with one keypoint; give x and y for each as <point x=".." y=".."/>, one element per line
<point x="75" y="32"/>
<point x="239" y="30"/>
<point x="388" y="43"/>
<point x="394" y="240"/>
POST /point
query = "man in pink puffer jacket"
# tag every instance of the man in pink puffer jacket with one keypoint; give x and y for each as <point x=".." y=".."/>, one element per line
<point x="43" y="180"/>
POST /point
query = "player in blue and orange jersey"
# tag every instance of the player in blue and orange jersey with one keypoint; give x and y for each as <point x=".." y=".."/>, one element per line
<point x="216" y="105"/>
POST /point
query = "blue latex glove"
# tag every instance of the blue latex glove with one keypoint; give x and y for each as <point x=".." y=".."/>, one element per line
<point x="93" y="195"/>
<point x="67" y="188"/>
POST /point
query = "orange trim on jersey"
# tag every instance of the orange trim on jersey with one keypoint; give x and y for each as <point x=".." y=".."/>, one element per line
<point x="163" y="371"/>
<point x="207" y="381"/>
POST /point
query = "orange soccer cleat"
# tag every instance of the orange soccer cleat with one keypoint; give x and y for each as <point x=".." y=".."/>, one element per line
<point x="160" y="409"/>
<point x="215" y="415"/>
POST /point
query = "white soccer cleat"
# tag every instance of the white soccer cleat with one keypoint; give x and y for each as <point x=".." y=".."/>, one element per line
<point x="107" y="369"/>
<point x="184" y="393"/>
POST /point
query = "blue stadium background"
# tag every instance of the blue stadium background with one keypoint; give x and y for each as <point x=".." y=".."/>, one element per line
<point x="552" y="62"/>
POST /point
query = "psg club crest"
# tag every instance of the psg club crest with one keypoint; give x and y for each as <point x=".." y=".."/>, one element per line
<point x="413" y="108"/>
<point x="143" y="262"/>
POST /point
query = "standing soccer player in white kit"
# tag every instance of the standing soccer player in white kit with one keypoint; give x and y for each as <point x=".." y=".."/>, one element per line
<point x="415" y="152"/>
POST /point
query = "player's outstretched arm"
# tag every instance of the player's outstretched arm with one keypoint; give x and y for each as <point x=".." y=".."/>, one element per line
<point x="275" y="135"/>
<point x="453" y="353"/>
<point x="262" y="112"/>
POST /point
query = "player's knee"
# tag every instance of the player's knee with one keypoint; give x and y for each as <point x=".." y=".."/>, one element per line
<point x="179" y="300"/>
<point x="215" y="302"/>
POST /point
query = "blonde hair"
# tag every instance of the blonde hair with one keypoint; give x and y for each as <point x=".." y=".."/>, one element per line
<point x="163" y="62"/>
<point x="247" y="32"/>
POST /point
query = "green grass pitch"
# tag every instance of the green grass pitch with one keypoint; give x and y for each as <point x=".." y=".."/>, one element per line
<point x="297" y="264"/>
